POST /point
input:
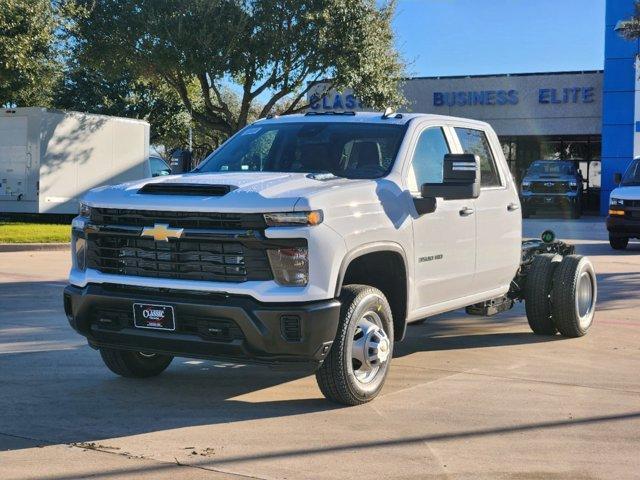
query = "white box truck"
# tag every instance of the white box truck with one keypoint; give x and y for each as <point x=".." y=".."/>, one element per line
<point x="49" y="158"/>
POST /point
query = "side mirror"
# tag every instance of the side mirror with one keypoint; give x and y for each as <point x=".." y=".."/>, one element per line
<point x="460" y="178"/>
<point x="617" y="178"/>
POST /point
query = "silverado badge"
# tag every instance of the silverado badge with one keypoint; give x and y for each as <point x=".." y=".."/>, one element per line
<point x="161" y="232"/>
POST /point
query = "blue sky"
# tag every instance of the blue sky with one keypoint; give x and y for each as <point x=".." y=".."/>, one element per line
<point x="473" y="37"/>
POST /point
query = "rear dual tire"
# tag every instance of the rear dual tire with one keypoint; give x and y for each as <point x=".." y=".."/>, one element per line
<point x="574" y="294"/>
<point x="538" y="294"/>
<point x="560" y="295"/>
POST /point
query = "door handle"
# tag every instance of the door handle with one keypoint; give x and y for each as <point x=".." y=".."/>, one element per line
<point x="512" y="207"/>
<point x="466" y="211"/>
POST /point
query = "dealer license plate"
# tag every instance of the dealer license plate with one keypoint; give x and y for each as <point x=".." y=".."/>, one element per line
<point x="157" y="317"/>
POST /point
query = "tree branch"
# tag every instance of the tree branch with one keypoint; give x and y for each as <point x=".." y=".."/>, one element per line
<point x="213" y="121"/>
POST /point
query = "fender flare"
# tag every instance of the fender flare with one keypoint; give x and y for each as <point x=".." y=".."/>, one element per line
<point x="374" y="247"/>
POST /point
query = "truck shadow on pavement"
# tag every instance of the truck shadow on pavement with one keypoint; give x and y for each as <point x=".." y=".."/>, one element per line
<point x="55" y="389"/>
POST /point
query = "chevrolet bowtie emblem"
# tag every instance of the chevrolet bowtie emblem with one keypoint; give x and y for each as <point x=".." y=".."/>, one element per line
<point x="161" y="232"/>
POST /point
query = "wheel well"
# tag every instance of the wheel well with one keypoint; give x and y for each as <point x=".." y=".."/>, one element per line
<point x="385" y="271"/>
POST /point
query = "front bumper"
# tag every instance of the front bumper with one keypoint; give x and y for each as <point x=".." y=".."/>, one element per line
<point x="541" y="200"/>
<point x="623" y="226"/>
<point x="245" y="330"/>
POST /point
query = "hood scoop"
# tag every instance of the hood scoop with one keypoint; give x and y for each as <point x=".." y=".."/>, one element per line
<point x="186" y="189"/>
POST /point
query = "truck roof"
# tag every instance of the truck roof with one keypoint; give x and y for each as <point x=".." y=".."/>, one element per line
<point x="398" y="118"/>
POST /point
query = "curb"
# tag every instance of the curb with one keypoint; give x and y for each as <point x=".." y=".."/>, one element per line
<point x="33" y="247"/>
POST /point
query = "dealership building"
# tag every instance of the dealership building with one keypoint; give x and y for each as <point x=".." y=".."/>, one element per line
<point x="590" y="117"/>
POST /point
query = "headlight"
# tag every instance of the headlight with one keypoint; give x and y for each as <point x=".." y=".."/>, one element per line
<point x="616" y="202"/>
<point x="290" y="266"/>
<point x="79" y="250"/>
<point x="293" y="219"/>
<point x="573" y="184"/>
<point x="526" y="185"/>
<point x="85" y="210"/>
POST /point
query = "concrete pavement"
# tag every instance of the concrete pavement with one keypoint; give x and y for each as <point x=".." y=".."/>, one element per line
<point x="466" y="397"/>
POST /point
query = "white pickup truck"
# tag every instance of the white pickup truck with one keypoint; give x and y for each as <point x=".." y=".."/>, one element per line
<point x="314" y="240"/>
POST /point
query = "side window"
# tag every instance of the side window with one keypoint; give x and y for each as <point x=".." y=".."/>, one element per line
<point x="426" y="164"/>
<point x="476" y="142"/>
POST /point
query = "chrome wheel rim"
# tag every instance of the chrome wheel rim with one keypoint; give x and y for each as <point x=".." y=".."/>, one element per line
<point x="370" y="348"/>
<point x="585" y="298"/>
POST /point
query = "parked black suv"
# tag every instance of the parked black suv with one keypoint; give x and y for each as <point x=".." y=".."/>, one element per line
<point x="552" y="184"/>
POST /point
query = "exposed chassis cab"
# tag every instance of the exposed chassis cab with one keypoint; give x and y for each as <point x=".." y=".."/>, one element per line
<point x="264" y="256"/>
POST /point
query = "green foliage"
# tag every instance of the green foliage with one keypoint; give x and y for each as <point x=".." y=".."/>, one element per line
<point x="29" y="69"/>
<point x="229" y="61"/>
<point x="630" y="29"/>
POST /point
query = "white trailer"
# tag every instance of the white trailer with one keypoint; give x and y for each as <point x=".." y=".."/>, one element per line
<point x="49" y="159"/>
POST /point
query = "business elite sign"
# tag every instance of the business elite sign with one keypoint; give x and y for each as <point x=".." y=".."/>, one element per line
<point x="334" y="100"/>
<point x="512" y="97"/>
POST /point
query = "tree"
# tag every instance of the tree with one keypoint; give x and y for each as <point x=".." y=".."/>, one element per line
<point x="28" y="65"/>
<point x="630" y="28"/>
<point x="264" y="53"/>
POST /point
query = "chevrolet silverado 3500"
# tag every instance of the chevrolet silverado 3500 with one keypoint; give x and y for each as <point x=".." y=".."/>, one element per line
<point x="314" y="240"/>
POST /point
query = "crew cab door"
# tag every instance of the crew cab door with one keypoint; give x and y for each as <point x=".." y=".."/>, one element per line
<point x="497" y="212"/>
<point x="445" y="239"/>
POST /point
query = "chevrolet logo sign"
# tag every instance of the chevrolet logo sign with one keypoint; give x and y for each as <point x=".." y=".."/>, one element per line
<point x="161" y="232"/>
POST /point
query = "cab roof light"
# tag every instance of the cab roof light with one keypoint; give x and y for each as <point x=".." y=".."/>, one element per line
<point x="390" y="113"/>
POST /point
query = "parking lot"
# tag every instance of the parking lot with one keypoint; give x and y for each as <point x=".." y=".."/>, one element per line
<point x="467" y="397"/>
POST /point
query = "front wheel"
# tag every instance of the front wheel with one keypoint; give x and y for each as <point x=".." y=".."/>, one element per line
<point x="357" y="365"/>
<point x="134" y="364"/>
<point x="618" y="243"/>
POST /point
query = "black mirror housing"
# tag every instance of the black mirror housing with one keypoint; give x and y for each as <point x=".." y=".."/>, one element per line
<point x="617" y="178"/>
<point x="461" y="178"/>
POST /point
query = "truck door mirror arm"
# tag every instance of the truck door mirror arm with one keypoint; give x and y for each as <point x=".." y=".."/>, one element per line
<point x="460" y="181"/>
<point x="425" y="205"/>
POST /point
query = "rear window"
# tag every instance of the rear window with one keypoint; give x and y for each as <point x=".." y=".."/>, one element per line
<point x="346" y="149"/>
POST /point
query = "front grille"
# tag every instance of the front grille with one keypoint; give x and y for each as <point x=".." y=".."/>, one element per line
<point x="184" y="259"/>
<point x="147" y="218"/>
<point x="214" y="329"/>
<point x="550" y="187"/>
<point x="632" y="203"/>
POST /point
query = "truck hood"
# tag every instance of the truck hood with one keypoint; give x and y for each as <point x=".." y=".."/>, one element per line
<point x="250" y="192"/>
<point x="627" y="193"/>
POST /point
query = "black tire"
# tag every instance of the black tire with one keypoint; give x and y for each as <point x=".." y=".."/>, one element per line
<point x="571" y="316"/>
<point x="618" y="243"/>
<point x="134" y="364"/>
<point x="576" y="211"/>
<point x="336" y="377"/>
<point x="537" y="294"/>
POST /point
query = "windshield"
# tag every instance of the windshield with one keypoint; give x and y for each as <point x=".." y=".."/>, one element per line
<point x="632" y="175"/>
<point x="346" y="149"/>
<point x="552" y="168"/>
